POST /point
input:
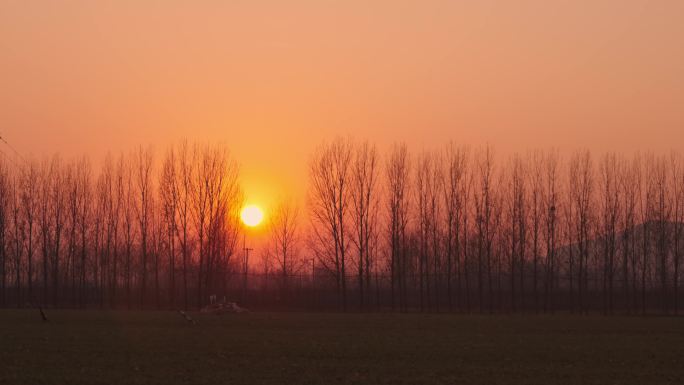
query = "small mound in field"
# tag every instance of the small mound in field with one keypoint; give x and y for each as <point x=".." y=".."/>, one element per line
<point x="222" y="308"/>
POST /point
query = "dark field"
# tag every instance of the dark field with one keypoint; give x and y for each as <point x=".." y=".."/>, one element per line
<point x="91" y="347"/>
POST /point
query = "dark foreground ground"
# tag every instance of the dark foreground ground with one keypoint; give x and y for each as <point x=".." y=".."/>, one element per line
<point x="92" y="347"/>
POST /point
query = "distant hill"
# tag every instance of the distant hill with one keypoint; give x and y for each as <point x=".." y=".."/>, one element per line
<point x="636" y="234"/>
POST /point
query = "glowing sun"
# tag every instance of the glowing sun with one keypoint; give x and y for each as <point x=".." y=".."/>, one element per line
<point x="252" y="215"/>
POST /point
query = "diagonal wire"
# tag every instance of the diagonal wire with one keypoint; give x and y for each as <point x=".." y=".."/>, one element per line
<point x="4" y="154"/>
<point x="13" y="149"/>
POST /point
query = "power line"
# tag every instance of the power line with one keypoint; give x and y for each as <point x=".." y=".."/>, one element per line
<point x="13" y="149"/>
<point x="4" y="154"/>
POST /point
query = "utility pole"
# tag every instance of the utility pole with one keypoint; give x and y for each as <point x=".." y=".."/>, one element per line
<point x="245" y="272"/>
<point x="313" y="282"/>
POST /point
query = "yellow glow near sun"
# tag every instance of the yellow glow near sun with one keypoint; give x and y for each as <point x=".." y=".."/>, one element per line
<point x="251" y="215"/>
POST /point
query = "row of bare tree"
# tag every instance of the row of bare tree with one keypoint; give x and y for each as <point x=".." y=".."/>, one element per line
<point x="136" y="234"/>
<point x="456" y="230"/>
<point x="453" y="229"/>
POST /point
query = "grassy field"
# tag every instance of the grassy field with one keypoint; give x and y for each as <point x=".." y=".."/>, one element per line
<point x="92" y="347"/>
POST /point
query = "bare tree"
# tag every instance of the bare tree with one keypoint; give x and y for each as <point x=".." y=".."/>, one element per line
<point x="115" y="191"/>
<point x="581" y="190"/>
<point x="425" y="191"/>
<point x="398" y="169"/>
<point x="454" y="187"/>
<point x="125" y="174"/>
<point x="677" y="188"/>
<point x="329" y="194"/>
<point x="4" y="229"/>
<point x="517" y="206"/>
<point x="169" y="201"/>
<point x="84" y="202"/>
<point x="225" y="200"/>
<point x="661" y="214"/>
<point x="45" y="220"/>
<point x="551" y="208"/>
<point x="98" y="236"/>
<point x="184" y="188"/>
<point x="484" y="209"/>
<point x="143" y="211"/>
<point x="71" y="192"/>
<point x="610" y="209"/>
<point x="646" y="195"/>
<point x="18" y="232"/>
<point x="537" y="205"/>
<point x="435" y="210"/>
<point x="284" y="242"/>
<point x="629" y="189"/>
<point x="365" y="205"/>
<point x="200" y="196"/>
<point x="57" y="190"/>
<point x="29" y="198"/>
<point x="216" y="200"/>
<point x="158" y="236"/>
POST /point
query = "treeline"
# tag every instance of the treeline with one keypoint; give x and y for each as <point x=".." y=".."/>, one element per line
<point x="134" y="234"/>
<point x="453" y="229"/>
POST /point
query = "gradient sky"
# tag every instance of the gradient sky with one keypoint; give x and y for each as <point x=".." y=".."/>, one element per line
<point x="273" y="79"/>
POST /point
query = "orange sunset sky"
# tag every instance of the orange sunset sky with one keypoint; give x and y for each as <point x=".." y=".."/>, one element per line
<point x="273" y="79"/>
